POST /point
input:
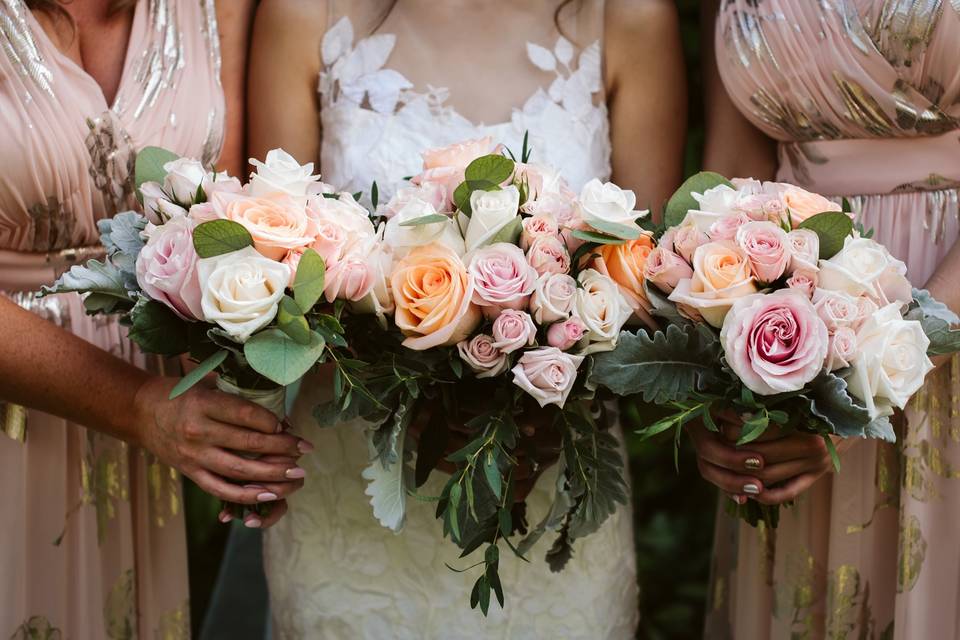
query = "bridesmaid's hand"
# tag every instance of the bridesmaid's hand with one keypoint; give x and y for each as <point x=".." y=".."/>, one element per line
<point x="203" y="433"/>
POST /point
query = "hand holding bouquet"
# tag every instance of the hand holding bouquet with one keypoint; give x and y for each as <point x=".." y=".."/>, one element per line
<point x="779" y="309"/>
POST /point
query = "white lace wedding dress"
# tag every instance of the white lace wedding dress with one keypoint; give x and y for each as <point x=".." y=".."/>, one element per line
<point x="333" y="570"/>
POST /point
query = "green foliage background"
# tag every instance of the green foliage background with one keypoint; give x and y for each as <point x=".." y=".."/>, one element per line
<point x="673" y="510"/>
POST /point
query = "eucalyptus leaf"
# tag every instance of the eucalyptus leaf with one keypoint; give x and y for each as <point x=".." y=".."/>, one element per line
<point x="280" y="359"/>
<point x="510" y="233"/>
<point x="148" y="167"/>
<point x="198" y="373"/>
<point x="309" y="281"/>
<point x="592" y="236"/>
<point x="491" y="168"/>
<point x="290" y="320"/>
<point x="217" y="237"/>
<point x="614" y="229"/>
<point x="682" y="201"/>
<point x="833" y="228"/>
<point x="422" y="220"/>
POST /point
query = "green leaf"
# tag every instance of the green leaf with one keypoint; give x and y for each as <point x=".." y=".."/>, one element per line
<point x="753" y="428"/>
<point x="492" y="168"/>
<point x="121" y="233"/>
<point x="422" y="220"/>
<point x="620" y="231"/>
<point x="667" y="367"/>
<point x="199" y="373"/>
<point x="290" y="320"/>
<point x="597" y="481"/>
<point x="592" y="236"/>
<point x="683" y="200"/>
<point x="492" y="473"/>
<point x="374" y="195"/>
<point x="148" y="166"/>
<point x="510" y="233"/>
<point x="930" y="306"/>
<point x="309" y="282"/>
<point x="484" y="594"/>
<point x="277" y="357"/>
<point x="216" y="237"/>
<point x="832" y="227"/>
<point x="832" y="450"/>
<point x="831" y="402"/>
<point x="505" y="519"/>
<point x="93" y="277"/>
<point x="157" y="329"/>
<point x="455" y="491"/>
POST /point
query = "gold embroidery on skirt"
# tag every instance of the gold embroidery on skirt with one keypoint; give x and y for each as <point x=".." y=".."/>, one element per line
<point x="120" y="608"/>
<point x="796" y="594"/>
<point x="163" y="483"/>
<point x="36" y="628"/>
<point x="105" y="478"/>
<point x="913" y="551"/>
<point x="174" y="625"/>
<point x="844" y="596"/>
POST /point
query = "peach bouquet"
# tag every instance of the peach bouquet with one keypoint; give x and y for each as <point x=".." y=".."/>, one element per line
<point x="778" y="308"/>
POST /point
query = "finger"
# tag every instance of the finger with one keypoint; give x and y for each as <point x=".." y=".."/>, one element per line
<point x="220" y="488"/>
<point x="228" y="436"/>
<point x="789" y="491"/>
<point x="277" y="511"/>
<point x="718" y="452"/>
<point x="224" y="407"/>
<point x="783" y="471"/>
<point x="230" y="465"/>
<point x="793" y="447"/>
<point x="728" y="481"/>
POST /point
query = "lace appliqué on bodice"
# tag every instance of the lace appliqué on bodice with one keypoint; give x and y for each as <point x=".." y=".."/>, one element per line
<point x="375" y="122"/>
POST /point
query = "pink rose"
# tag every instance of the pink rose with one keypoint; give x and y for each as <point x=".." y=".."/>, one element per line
<point x="353" y="276"/>
<point x="804" y="249"/>
<point x="458" y="155"/>
<point x="686" y="239"/>
<point x="537" y="226"/>
<point x="866" y="307"/>
<point x="761" y="206"/>
<point x="804" y="281"/>
<point x="843" y="349"/>
<point x="726" y="228"/>
<point x="775" y="343"/>
<point x="548" y="255"/>
<point x="166" y="267"/>
<point x="513" y="330"/>
<point x="547" y="374"/>
<point x="502" y="278"/>
<point x="836" y="309"/>
<point x="277" y="224"/>
<point x="767" y="249"/>
<point x="665" y="269"/>
<point x="482" y="356"/>
<point x="553" y="297"/>
<point x="564" y="335"/>
<point x="292" y="260"/>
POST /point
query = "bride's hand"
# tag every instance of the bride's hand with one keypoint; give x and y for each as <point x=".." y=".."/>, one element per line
<point x="202" y="434"/>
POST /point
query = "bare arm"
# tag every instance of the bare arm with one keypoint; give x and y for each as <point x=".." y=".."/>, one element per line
<point x="647" y="98"/>
<point x="734" y="147"/>
<point x="282" y="102"/>
<point x="234" y="19"/>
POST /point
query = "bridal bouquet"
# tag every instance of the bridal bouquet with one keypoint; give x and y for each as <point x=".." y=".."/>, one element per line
<point x="226" y="273"/>
<point x="777" y="307"/>
<point x="490" y="309"/>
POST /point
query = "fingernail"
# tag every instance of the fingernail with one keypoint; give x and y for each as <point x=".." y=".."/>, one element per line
<point x="296" y="473"/>
<point x="266" y="496"/>
<point x="738" y="499"/>
<point x="279" y="428"/>
<point x="751" y="488"/>
<point x="752" y="463"/>
<point x="252" y="523"/>
<point x="225" y="517"/>
<point x="304" y="447"/>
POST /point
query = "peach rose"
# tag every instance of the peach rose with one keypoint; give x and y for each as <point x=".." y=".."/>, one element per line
<point x="278" y="224"/>
<point x="803" y="204"/>
<point x="625" y="264"/>
<point x="433" y="295"/>
<point x="721" y="276"/>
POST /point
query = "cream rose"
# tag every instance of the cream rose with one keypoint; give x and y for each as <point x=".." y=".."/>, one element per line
<point x="865" y="267"/>
<point x="606" y="202"/>
<point x="553" y="297"/>
<point x="721" y="276"/>
<point x="602" y="308"/>
<point x="547" y="374"/>
<point x="836" y="308"/>
<point x="280" y="172"/>
<point x="404" y="238"/>
<point x="843" y="349"/>
<point x="493" y="212"/>
<point x="891" y="361"/>
<point x="433" y="295"/>
<point x="241" y="290"/>
<point x="183" y="180"/>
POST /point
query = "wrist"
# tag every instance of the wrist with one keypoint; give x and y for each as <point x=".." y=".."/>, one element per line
<point x="141" y="420"/>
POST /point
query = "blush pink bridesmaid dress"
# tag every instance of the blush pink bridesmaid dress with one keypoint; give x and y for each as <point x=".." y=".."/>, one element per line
<point x="92" y="542"/>
<point x="864" y="99"/>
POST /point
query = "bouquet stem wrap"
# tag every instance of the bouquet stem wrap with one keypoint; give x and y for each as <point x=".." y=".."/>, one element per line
<point x="274" y="400"/>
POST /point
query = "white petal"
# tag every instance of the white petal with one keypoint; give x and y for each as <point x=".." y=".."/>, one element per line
<point x="589" y="67"/>
<point x="577" y="98"/>
<point x="337" y="41"/>
<point x="541" y="57"/>
<point x="368" y="56"/>
<point x="556" y="88"/>
<point x="383" y="89"/>
<point x="563" y="50"/>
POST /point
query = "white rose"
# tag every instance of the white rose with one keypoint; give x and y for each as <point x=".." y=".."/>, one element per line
<point x="804" y="249"/>
<point x="719" y="200"/>
<point x="553" y="297"/>
<point x="891" y="361"/>
<point x="836" y="308"/>
<point x="843" y="348"/>
<point x="281" y="172"/>
<point x="402" y="239"/>
<point x="606" y="202"/>
<point x="602" y="308"/>
<point x="492" y="211"/>
<point x="865" y="267"/>
<point x="380" y="299"/>
<point x="343" y="211"/>
<point x="241" y="290"/>
<point x="184" y="178"/>
<point x="547" y="374"/>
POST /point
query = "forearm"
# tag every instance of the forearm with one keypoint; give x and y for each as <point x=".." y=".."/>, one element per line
<point x="46" y="368"/>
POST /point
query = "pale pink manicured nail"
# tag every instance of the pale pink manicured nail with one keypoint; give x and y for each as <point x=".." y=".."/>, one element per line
<point x="296" y="473"/>
<point x="304" y="447"/>
<point x="252" y="523"/>
<point x="266" y="496"/>
<point x="225" y="517"/>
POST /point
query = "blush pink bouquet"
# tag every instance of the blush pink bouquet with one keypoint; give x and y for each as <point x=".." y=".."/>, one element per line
<point x="774" y="304"/>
